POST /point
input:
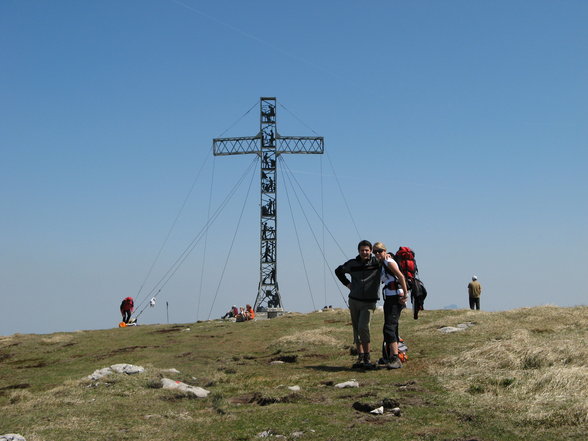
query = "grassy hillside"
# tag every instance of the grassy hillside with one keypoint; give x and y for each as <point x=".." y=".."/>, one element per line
<point x="514" y="375"/>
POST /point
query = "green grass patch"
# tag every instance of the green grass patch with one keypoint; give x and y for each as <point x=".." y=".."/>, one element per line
<point x="510" y="376"/>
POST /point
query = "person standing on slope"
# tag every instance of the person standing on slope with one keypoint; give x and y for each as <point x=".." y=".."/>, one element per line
<point x="394" y="291"/>
<point x="474" y="292"/>
<point x="363" y="295"/>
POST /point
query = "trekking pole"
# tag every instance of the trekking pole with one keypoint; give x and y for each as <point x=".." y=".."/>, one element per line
<point x="167" y="311"/>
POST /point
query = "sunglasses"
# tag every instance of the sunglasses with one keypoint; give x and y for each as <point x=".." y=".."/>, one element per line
<point x="379" y="251"/>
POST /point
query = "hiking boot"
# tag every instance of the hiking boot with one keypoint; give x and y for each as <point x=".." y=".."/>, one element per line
<point x="383" y="361"/>
<point x="359" y="363"/>
<point x="367" y="364"/>
<point x="394" y="363"/>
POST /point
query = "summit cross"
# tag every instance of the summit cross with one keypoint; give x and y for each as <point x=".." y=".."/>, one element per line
<point x="268" y="144"/>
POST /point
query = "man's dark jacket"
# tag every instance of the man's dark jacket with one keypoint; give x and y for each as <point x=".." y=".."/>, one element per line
<point x="365" y="278"/>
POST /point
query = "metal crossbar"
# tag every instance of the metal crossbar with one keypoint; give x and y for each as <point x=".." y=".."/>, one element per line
<point x="269" y="145"/>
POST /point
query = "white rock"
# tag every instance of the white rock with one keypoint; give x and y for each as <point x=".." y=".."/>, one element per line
<point x="277" y="362"/>
<point x="460" y="327"/>
<point x="378" y="411"/>
<point x="98" y="374"/>
<point x="351" y="383"/>
<point x="172" y="371"/>
<point x="124" y="368"/>
<point x="12" y="437"/>
<point x="450" y="329"/>
<point x="294" y="388"/>
<point x="183" y="387"/>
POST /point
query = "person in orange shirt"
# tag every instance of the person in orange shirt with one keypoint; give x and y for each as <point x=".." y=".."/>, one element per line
<point x="249" y="312"/>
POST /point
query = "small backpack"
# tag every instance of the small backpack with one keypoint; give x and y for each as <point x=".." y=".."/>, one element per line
<point x="402" y="349"/>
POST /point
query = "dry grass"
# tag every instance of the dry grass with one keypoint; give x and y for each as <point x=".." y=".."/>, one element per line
<point x="532" y="379"/>
<point x="320" y="336"/>
<point x="58" y="339"/>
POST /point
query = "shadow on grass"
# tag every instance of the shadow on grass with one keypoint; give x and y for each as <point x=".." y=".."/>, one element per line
<point x="324" y="368"/>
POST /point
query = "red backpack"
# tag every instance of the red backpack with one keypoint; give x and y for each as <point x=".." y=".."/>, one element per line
<point x="405" y="259"/>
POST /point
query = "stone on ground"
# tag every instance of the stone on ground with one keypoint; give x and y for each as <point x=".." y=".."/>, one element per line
<point x="12" y="437"/>
<point x="183" y="387"/>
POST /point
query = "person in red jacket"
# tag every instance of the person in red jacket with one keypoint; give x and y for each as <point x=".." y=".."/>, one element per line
<point x="126" y="308"/>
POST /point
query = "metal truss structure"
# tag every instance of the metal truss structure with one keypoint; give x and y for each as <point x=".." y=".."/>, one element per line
<point x="268" y="145"/>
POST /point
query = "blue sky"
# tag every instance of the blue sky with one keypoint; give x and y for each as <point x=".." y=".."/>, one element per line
<point x="457" y="128"/>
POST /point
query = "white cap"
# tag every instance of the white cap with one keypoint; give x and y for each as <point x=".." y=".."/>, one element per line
<point x="474" y="277"/>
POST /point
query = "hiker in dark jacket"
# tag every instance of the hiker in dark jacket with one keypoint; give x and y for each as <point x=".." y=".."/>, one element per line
<point x="363" y="295"/>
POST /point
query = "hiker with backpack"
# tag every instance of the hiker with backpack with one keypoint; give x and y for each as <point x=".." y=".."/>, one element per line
<point x="394" y="292"/>
<point x="363" y="295"/>
<point x="126" y="309"/>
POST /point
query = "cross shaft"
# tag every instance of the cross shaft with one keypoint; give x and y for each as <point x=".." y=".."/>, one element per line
<point x="268" y="145"/>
